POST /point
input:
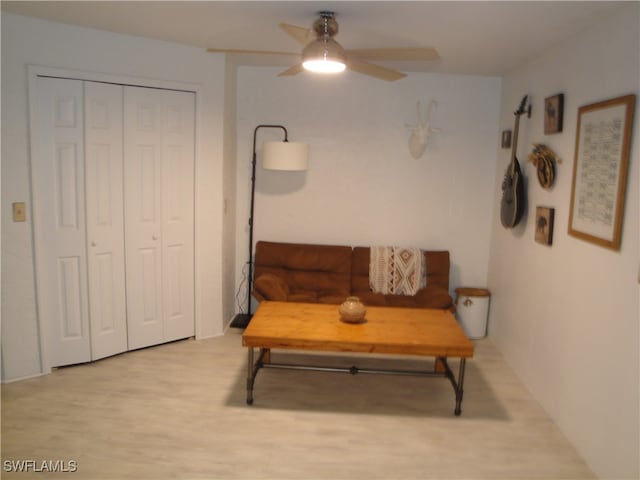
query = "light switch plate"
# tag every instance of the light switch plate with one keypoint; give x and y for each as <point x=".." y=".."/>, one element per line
<point x="19" y="212"/>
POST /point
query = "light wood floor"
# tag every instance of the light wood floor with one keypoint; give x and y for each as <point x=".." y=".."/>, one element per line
<point x="178" y="411"/>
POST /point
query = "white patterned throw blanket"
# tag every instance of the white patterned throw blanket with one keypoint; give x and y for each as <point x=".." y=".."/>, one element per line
<point x="397" y="270"/>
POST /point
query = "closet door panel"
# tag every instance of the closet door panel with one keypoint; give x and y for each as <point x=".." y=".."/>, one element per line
<point x="143" y="216"/>
<point x="105" y="218"/>
<point x="113" y="203"/>
<point x="59" y="220"/>
<point x="178" y="214"/>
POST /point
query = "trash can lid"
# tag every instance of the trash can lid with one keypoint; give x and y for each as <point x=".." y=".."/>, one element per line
<point x="473" y="292"/>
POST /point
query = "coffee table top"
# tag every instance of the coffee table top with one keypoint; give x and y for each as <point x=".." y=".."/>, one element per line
<point x="389" y="330"/>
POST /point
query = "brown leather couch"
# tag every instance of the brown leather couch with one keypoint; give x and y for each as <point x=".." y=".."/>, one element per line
<point x="329" y="274"/>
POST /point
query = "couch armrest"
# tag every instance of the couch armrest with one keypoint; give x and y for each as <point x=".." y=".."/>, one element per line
<point x="270" y="287"/>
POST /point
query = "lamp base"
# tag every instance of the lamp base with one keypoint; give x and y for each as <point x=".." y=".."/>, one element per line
<point x="241" y="320"/>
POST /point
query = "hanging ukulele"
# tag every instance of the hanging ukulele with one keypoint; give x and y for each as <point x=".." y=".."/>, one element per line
<point x="512" y="204"/>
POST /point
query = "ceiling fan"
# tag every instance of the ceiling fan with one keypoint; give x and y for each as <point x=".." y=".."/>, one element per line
<point x="321" y="53"/>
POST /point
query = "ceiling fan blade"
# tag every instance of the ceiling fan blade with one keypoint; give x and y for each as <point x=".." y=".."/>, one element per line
<point x="296" y="69"/>
<point x="398" y="54"/>
<point x="372" y="70"/>
<point x="249" y="52"/>
<point x="300" y="34"/>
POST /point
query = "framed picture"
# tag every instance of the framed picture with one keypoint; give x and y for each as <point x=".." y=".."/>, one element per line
<point x="603" y="139"/>
<point x="544" y="225"/>
<point x="506" y="139"/>
<point x="553" y="109"/>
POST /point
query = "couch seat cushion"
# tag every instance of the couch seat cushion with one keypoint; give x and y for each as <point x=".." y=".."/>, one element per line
<point x="303" y="297"/>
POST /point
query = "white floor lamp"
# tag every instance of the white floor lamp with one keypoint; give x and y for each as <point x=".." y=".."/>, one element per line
<point x="284" y="156"/>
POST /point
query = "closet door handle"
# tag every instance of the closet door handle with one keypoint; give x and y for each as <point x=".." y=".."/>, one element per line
<point x="155" y="237"/>
<point x="94" y="244"/>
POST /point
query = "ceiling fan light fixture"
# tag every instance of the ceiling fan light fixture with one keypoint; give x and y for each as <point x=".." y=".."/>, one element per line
<point x="324" y="55"/>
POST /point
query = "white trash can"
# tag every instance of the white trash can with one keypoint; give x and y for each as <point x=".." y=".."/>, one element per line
<point x="472" y="307"/>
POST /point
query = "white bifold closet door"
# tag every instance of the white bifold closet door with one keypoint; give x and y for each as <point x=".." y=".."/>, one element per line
<point x="105" y="223"/>
<point x="113" y="193"/>
<point x="59" y="220"/>
<point x="159" y="185"/>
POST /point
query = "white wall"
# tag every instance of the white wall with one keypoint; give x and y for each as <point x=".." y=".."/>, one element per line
<point x="30" y="41"/>
<point x="229" y="196"/>
<point x="363" y="187"/>
<point x="566" y="316"/>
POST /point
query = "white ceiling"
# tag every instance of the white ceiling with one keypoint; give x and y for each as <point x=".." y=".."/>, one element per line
<point x="476" y="37"/>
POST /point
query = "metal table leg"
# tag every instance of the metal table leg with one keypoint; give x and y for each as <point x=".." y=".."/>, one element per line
<point x="250" y="376"/>
<point x="458" y="388"/>
<point x="252" y="369"/>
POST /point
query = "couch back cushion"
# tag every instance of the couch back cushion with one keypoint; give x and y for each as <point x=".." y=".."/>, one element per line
<point x="312" y="272"/>
<point x="437" y="269"/>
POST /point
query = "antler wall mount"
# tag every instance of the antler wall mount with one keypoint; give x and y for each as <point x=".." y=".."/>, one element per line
<point x="422" y="131"/>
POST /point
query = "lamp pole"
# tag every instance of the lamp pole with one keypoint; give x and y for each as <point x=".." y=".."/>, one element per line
<point x="241" y="320"/>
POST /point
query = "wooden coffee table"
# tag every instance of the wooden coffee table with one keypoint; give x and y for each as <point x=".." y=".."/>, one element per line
<point x="387" y="330"/>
